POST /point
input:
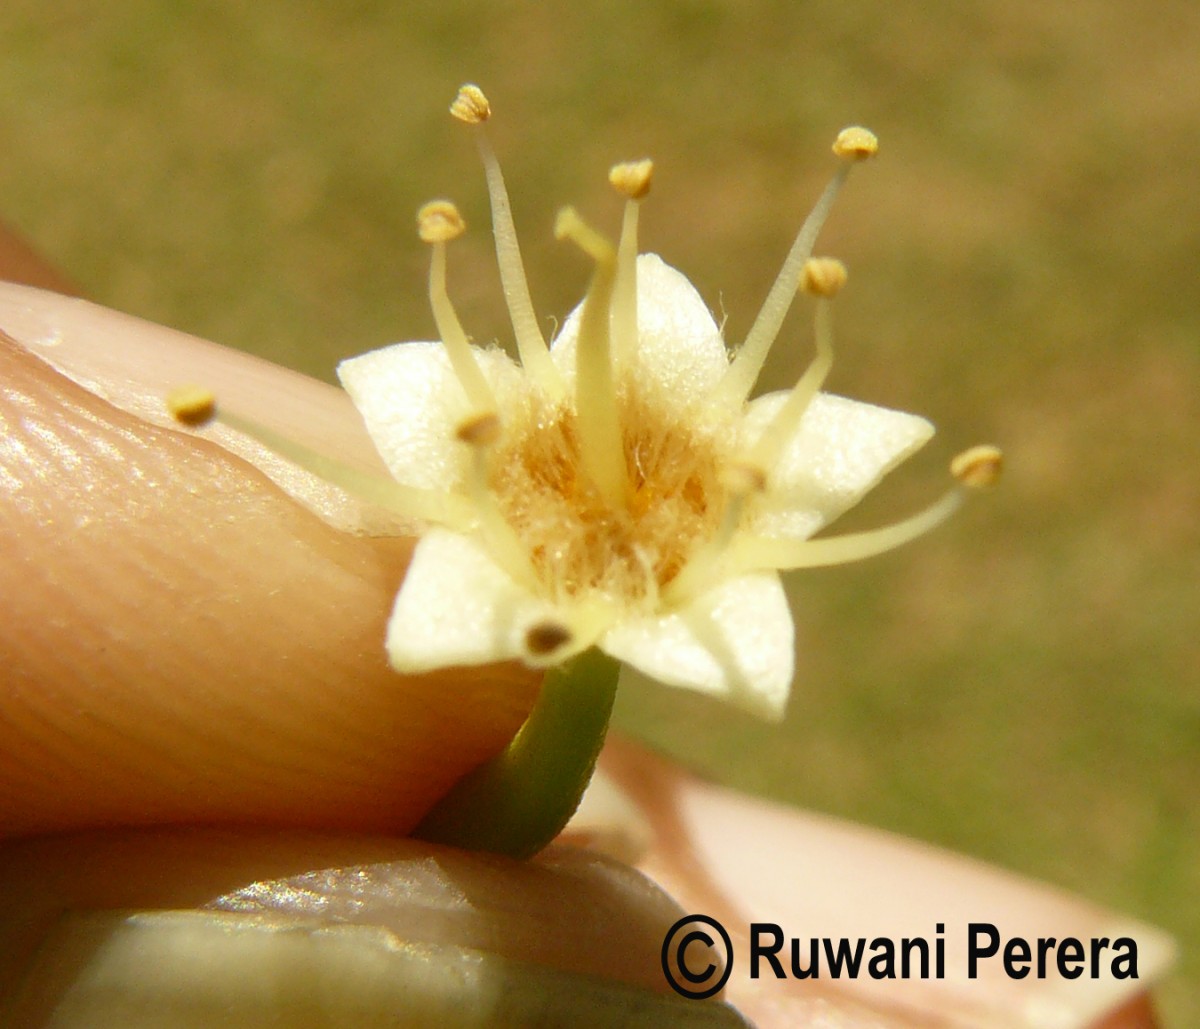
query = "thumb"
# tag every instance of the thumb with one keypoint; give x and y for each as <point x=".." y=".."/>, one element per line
<point x="184" y="641"/>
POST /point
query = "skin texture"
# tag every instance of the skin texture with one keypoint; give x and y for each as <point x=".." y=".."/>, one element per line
<point x="743" y="860"/>
<point x="185" y="645"/>
<point x="118" y="519"/>
<point x="411" y="888"/>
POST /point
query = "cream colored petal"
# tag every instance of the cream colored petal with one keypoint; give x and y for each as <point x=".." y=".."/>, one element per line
<point x="840" y="451"/>
<point x="457" y="607"/>
<point x="734" y="642"/>
<point x="412" y="403"/>
<point x="680" y="349"/>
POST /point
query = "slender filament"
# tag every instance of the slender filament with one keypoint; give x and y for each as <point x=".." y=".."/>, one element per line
<point x="735" y="387"/>
<point x="503" y="544"/>
<point x="531" y="344"/>
<point x="704" y="566"/>
<point x="458" y="348"/>
<point x="601" y="449"/>
<point x="766" y="450"/>
<point x="624" y="308"/>
<point x="760" y="552"/>
<point x="407" y="501"/>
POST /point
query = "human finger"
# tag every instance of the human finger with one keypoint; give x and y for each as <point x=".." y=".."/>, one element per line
<point x="747" y="862"/>
<point x="181" y="927"/>
<point x="183" y="641"/>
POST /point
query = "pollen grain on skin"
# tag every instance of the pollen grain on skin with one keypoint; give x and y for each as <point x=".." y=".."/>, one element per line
<point x="193" y="406"/>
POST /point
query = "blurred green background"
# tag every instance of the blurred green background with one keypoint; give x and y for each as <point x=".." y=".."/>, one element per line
<point x="1022" y="685"/>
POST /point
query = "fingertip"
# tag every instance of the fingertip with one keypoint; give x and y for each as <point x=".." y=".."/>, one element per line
<point x="349" y="929"/>
<point x="183" y="642"/>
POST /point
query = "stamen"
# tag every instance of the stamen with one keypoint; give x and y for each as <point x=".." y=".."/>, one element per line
<point x="481" y="430"/>
<point x="503" y="544"/>
<point x="823" y="276"/>
<point x="632" y="178"/>
<point x="586" y="623"/>
<point x="545" y="638"/>
<point x="741" y="478"/>
<point x="753" y="553"/>
<point x="735" y="387"/>
<point x="632" y="181"/>
<point x="601" y="449"/>
<point x="856" y="143"/>
<point x="976" y="468"/>
<point x="409" y="502"/>
<point x="438" y="223"/>
<point x="472" y="107"/>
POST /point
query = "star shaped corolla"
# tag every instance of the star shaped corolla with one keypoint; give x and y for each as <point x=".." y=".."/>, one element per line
<point x="617" y="488"/>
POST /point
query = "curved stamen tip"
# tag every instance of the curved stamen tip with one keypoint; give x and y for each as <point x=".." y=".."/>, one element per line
<point x="978" y="467"/>
<point x="565" y="222"/>
<point x="823" y="276"/>
<point x="439" y="222"/>
<point x="480" y="430"/>
<point x="192" y="405"/>
<point x="471" y="106"/>
<point x="632" y="178"/>
<point x="544" y="638"/>
<point x="856" y="144"/>
<point x="570" y="225"/>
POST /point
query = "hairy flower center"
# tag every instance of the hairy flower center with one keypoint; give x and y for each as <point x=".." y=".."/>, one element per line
<point x="580" y="544"/>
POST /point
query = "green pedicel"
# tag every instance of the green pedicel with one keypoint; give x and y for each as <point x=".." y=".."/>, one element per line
<point x="519" y="801"/>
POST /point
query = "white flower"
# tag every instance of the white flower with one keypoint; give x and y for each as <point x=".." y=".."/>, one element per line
<point x="616" y="488"/>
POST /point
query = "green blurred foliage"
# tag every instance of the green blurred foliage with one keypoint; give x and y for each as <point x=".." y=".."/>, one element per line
<point x="1021" y="685"/>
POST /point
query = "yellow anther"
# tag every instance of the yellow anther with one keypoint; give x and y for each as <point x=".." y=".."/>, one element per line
<point x="471" y="105"/>
<point x="979" y="466"/>
<point x="823" y="276"/>
<point x="546" y="637"/>
<point x="192" y="405"/>
<point x="743" y="478"/>
<point x="632" y="178"/>
<point x="856" y="144"/>
<point x="439" y="222"/>
<point x="480" y="430"/>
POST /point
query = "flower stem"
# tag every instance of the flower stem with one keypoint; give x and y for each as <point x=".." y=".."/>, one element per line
<point x="519" y="801"/>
